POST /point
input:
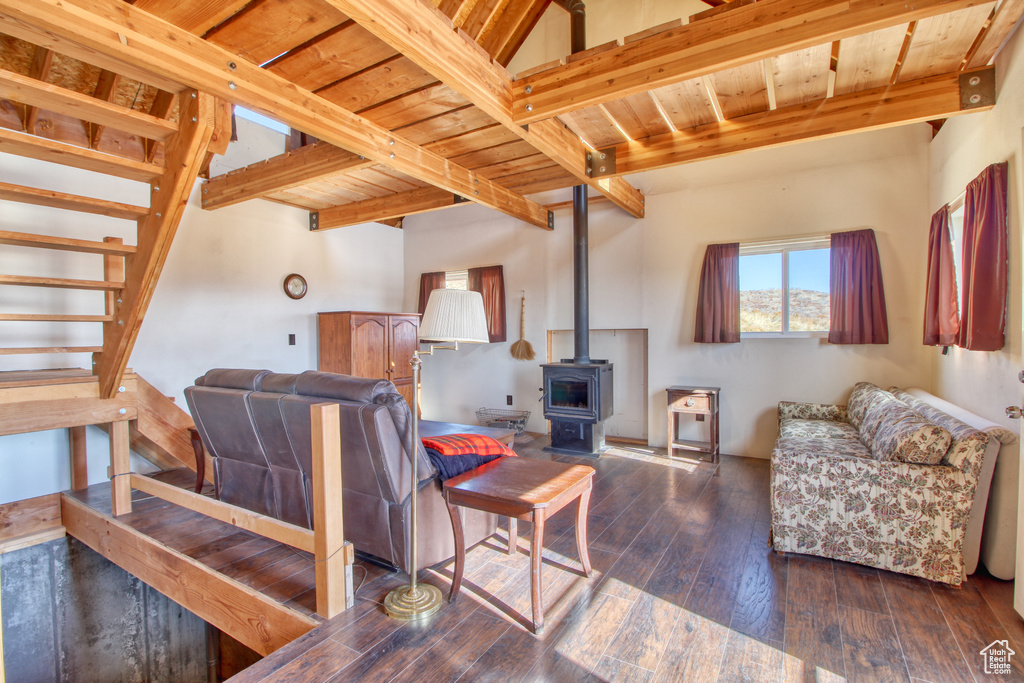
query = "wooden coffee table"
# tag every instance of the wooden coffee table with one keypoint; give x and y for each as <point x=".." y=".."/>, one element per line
<point x="521" y="488"/>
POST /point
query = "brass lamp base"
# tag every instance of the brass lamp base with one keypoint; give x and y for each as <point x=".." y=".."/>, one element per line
<point x="410" y="603"/>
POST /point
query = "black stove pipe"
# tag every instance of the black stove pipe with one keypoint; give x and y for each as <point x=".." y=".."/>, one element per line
<point x="580" y="217"/>
<point x="578" y="30"/>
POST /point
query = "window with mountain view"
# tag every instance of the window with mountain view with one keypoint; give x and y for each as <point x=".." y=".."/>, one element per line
<point x="784" y="287"/>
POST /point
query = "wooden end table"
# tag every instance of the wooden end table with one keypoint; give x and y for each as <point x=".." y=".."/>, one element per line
<point x="701" y="402"/>
<point x="521" y="488"/>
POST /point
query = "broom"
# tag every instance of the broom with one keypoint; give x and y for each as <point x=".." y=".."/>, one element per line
<point x="522" y="350"/>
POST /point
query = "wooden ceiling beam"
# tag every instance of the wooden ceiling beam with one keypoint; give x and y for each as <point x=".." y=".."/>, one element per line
<point x="291" y="169"/>
<point x="184" y="155"/>
<point x="384" y="208"/>
<point x="136" y="39"/>
<point x="739" y="36"/>
<point x="33" y="147"/>
<point x="14" y="86"/>
<point x="427" y="37"/>
<point x="924" y="99"/>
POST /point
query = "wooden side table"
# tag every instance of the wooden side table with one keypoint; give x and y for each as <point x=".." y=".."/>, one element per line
<point x="702" y="402"/>
<point x="521" y="488"/>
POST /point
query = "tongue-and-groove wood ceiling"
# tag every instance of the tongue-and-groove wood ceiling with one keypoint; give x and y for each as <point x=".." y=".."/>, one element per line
<point x="414" y="110"/>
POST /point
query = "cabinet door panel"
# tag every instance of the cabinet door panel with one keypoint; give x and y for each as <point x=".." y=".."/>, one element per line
<point x="369" y="347"/>
<point x="404" y="341"/>
<point x="334" y="343"/>
<point x="405" y="388"/>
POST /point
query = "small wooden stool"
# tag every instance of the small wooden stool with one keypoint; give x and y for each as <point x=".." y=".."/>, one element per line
<point x="521" y="488"/>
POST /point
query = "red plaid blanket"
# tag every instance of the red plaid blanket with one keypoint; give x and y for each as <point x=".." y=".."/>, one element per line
<point x="467" y="444"/>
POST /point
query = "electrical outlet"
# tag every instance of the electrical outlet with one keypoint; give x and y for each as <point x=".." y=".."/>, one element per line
<point x="508" y="400"/>
<point x="291" y="340"/>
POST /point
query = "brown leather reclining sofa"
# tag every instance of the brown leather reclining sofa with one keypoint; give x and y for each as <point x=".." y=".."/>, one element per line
<point x="256" y="426"/>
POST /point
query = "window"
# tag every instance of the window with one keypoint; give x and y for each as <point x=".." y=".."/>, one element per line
<point x="456" y="279"/>
<point x="956" y="234"/>
<point x="784" y="288"/>
<point x="261" y="119"/>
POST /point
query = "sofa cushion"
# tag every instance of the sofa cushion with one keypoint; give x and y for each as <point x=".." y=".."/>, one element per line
<point x="342" y="387"/>
<point x="863" y="396"/>
<point x="792" y="410"/>
<point x="805" y="445"/>
<point x="968" y="444"/>
<point x="897" y="432"/>
<point x="233" y="378"/>
<point x="817" y="429"/>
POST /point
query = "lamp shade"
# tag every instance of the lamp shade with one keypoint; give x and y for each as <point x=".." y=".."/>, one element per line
<point x="454" y="315"/>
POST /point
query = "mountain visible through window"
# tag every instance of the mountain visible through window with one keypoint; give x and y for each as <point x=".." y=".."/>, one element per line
<point x="784" y="288"/>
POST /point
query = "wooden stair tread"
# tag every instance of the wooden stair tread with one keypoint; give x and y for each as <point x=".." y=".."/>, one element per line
<point x="71" y="202"/>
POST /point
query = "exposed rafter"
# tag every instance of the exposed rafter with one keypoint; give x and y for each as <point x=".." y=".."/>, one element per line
<point x="732" y="38"/>
<point x="283" y="172"/>
<point x="42" y="60"/>
<point x="909" y="102"/>
<point x="141" y="41"/>
<point x="996" y="32"/>
<point x="97" y="110"/>
<point x="426" y="36"/>
<point x="384" y="208"/>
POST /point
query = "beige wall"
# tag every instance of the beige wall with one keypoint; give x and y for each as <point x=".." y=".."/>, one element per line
<point x="985" y="382"/>
<point x="645" y="273"/>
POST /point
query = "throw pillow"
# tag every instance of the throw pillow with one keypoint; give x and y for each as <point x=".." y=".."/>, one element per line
<point x="863" y="396"/>
<point x="902" y="434"/>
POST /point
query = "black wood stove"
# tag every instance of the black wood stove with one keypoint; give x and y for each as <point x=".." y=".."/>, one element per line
<point x="577" y="400"/>
<point x="578" y="391"/>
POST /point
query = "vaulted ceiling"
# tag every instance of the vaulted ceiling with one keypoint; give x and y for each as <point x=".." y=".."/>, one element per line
<point x="412" y="109"/>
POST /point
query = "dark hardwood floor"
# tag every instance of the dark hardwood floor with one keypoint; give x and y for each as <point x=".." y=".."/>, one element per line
<point x="684" y="588"/>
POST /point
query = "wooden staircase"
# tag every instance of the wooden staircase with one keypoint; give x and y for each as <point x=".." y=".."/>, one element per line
<point x="130" y="272"/>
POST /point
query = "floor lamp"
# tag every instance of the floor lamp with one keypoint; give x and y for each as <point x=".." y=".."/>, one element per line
<point x="451" y="316"/>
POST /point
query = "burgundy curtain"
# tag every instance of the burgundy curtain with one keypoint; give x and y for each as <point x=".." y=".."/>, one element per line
<point x="983" y="309"/>
<point x="941" y="317"/>
<point x="490" y="282"/>
<point x="428" y="283"/>
<point x="718" y="300"/>
<point x="856" y="292"/>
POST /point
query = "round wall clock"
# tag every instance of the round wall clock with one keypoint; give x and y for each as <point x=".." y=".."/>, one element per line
<point x="295" y="286"/>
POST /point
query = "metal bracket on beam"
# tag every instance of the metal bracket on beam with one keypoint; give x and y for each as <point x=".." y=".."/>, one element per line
<point x="314" y="220"/>
<point x="601" y="163"/>
<point x="551" y="220"/>
<point x="977" y="89"/>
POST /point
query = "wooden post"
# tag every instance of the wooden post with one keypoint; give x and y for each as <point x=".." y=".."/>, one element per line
<point x="120" y="485"/>
<point x="79" y="458"/>
<point x="328" y="528"/>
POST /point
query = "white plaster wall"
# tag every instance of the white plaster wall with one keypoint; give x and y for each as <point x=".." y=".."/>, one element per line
<point x="982" y="381"/>
<point x="219" y="301"/>
<point x="645" y="274"/>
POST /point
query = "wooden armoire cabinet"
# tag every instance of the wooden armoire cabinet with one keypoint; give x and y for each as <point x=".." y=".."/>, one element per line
<point x="372" y="345"/>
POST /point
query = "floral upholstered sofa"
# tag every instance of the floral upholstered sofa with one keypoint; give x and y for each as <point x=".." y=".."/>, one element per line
<point x="887" y="480"/>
